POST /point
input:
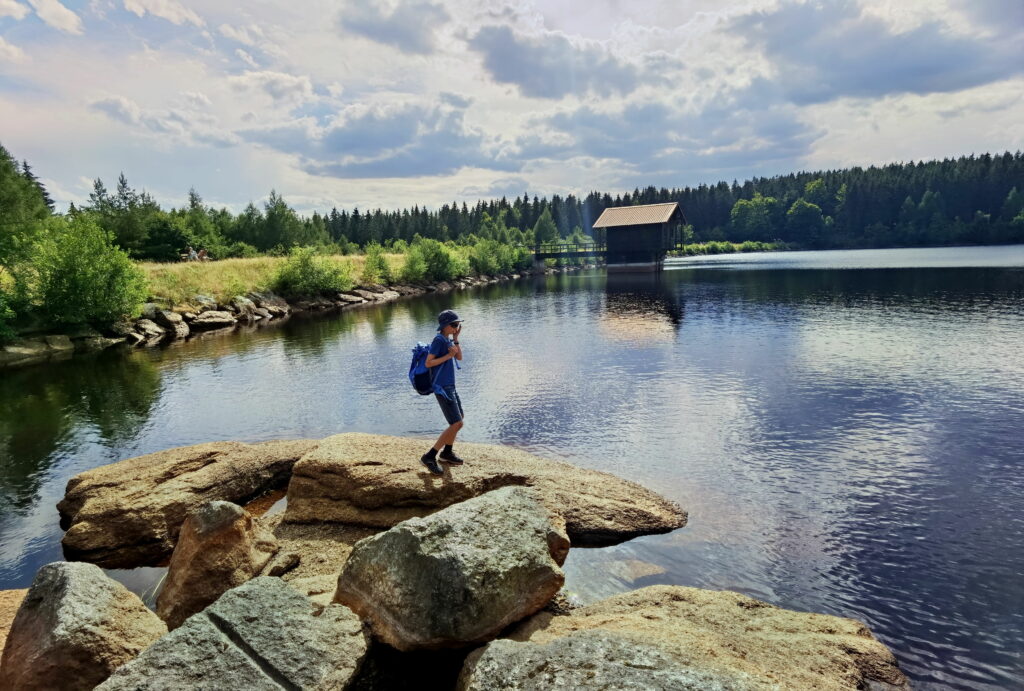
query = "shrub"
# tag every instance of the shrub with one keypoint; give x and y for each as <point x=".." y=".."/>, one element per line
<point x="305" y="274"/>
<point x="376" y="268"/>
<point x="6" y="318"/>
<point x="414" y="270"/>
<point x="82" y="277"/>
<point x="434" y="261"/>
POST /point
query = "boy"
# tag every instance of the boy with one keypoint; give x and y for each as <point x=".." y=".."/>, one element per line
<point x="442" y="373"/>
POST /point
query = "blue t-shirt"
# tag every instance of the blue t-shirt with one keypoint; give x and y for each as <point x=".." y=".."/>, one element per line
<point x="444" y="374"/>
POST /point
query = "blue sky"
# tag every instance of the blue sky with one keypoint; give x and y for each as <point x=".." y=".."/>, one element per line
<point x="364" y="103"/>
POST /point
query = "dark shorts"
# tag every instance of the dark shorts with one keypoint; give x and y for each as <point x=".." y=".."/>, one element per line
<point x="451" y="407"/>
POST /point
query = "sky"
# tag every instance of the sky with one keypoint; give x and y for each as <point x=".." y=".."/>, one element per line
<point x="401" y="102"/>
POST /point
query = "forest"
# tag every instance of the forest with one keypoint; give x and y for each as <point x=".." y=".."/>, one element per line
<point x="968" y="200"/>
<point x="78" y="266"/>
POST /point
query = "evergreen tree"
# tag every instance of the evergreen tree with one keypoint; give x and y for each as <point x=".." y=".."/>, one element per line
<point x="30" y="176"/>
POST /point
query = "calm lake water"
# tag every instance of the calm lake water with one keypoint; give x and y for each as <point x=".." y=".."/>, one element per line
<point x="846" y="429"/>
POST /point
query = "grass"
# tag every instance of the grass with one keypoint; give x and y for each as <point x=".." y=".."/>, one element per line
<point x="179" y="282"/>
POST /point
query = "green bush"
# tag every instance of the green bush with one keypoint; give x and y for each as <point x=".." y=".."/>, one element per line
<point x="433" y="261"/>
<point x="488" y="257"/>
<point x="306" y="274"/>
<point x="376" y="268"/>
<point x="414" y="269"/>
<point x="82" y="277"/>
<point x="6" y="318"/>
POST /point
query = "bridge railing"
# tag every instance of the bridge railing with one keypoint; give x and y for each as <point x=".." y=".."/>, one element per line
<point x="567" y="248"/>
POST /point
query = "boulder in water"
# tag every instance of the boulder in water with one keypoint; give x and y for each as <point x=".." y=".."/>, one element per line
<point x="128" y="514"/>
<point x="219" y="547"/>
<point x="74" y="627"/>
<point x="459" y="576"/>
<point x="378" y="481"/>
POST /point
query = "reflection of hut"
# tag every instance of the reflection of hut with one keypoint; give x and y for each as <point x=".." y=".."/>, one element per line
<point x="639" y="237"/>
<point x="640" y="309"/>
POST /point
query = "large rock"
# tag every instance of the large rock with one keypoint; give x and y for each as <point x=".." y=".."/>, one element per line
<point x="128" y="514"/>
<point x="219" y="548"/>
<point x="212" y="319"/>
<point x="150" y="329"/>
<point x="262" y="635"/>
<point x="244" y="308"/>
<point x="73" y="629"/>
<point x="460" y="576"/>
<point x="590" y="660"/>
<point x="735" y="641"/>
<point x="10" y="601"/>
<point x="378" y="481"/>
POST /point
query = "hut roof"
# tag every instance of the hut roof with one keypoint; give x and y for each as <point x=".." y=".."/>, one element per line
<point x="636" y="215"/>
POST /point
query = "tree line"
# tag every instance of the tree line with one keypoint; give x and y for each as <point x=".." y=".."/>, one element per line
<point x="970" y="200"/>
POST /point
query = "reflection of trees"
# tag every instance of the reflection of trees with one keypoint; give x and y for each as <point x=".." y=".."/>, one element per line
<point x="41" y="407"/>
<point x="945" y="288"/>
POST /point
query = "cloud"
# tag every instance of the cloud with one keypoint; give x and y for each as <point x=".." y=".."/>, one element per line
<point x="281" y="87"/>
<point x="171" y="10"/>
<point x="11" y="8"/>
<point x="246" y="58"/>
<point x="826" y="50"/>
<point x="551" y="66"/>
<point x="245" y="35"/>
<point x="999" y="16"/>
<point x="10" y="52"/>
<point x="57" y="16"/>
<point x="398" y="142"/>
<point x="190" y="127"/>
<point x="197" y="99"/>
<point x="119" y="108"/>
<point x="736" y="130"/>
<point x="409" y="26"/>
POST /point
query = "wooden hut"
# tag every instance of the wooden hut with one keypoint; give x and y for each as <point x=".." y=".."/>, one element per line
<point x="639" y="237"/>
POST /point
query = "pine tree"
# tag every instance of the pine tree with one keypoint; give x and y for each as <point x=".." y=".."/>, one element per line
<point x="30" y="176"/>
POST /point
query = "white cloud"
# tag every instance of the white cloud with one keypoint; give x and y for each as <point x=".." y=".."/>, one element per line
<point x="245" y="35"/>
<point x="10" y="52"/>
<point x="197" y="99"/>
<point x="57" y="16"/>
<point x="171" y="10"/>
<point x="246" y="58"/>
<point x="12" y="8"/>
<point x="280" y="86"/>
<point x="119" y="108"/>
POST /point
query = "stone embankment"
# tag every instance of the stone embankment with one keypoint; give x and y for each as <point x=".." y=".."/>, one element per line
<point x="375" y="563"/>
<point x="204" y="316"/>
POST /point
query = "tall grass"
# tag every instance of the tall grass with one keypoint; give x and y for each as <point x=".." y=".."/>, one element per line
<point x="181" y="281"/>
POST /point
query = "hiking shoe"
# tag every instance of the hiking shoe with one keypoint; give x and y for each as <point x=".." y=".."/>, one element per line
<point x="431" y="464"/>
<point x="450" y="458"/>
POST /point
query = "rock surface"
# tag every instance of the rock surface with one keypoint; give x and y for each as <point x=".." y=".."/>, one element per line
<point x="261" y="635"/>
<point x="459" y="576"/>
<point x="212" y="319"/>
<point x="128" y="514"/>
<point x="725" y="635"/>
<point x="10" y="601"/>
<point x="219" y="548"/>
<point x="74" y="627"/>
<point x="377" y="481"/>
<point x="589" y="660"/>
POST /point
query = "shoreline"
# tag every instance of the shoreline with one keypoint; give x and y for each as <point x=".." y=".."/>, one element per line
<point x="205" y="316"/>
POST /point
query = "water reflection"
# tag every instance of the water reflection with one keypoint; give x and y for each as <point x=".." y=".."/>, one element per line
<point x="108" y="396"/>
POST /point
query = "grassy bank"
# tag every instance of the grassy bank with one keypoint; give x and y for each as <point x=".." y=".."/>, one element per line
<point x="179" y="282"/>
<point x="725" y="247"/>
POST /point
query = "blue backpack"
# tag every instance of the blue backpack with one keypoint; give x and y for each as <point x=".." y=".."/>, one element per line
<point x="419" y="374"/>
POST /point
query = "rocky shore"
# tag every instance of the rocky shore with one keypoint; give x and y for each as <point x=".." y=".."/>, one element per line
<point x="378" y="574"/>
<point x="204" y="316"/>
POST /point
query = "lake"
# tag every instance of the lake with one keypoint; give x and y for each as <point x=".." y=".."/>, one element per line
<point x="846" y="429"/>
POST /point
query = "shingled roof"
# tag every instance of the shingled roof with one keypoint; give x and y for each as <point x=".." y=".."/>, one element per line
<point x="636" y="215"/>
